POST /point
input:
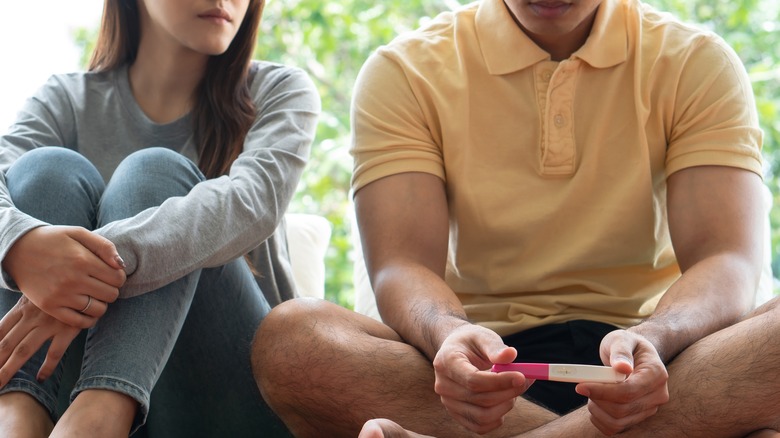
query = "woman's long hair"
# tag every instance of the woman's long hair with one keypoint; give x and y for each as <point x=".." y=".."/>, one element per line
<point x="223" y="111"/>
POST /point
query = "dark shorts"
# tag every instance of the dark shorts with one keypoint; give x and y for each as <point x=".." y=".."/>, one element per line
<point x="570" y="342"/>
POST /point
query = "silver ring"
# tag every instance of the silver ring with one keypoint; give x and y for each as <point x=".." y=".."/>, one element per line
<point x="89" y="303"/>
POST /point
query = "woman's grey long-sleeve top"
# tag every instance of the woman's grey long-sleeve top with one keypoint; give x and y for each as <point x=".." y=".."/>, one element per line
<point x="220" y="219"/>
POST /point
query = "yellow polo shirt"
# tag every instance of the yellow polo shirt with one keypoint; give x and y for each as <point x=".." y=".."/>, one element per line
<point x="555" y="171"/>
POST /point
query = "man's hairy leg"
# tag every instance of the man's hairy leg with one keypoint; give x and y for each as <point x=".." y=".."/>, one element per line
<point x="725" y="385"/>
<point x="326" y="370"/>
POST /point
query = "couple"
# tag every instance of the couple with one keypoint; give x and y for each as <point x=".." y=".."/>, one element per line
<point x="535" y="181"/>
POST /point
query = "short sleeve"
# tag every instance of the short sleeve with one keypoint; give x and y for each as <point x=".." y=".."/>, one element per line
<point x="715" y="118"/>
<point x="391" y="133"/>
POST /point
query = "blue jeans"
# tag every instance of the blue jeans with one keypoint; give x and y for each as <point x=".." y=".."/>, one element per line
<point x="182" y="351"/>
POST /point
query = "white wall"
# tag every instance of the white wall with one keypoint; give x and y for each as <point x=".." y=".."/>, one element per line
<point x="36" y="41"/>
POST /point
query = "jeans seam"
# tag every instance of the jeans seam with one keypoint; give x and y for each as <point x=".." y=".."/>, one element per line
<point x="38" y="393"/>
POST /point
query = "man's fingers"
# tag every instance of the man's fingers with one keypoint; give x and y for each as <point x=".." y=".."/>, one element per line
<point x="502" y="354"/>
<point x="477" y="419"/>
<point x="617" y="351"/>
<point x="485" y="381"/>
<point x="452" y="390"/>
<point x="646" y="402"/>
<point x="610" y="425"/>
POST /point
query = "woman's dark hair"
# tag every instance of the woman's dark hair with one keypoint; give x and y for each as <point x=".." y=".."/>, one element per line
<point x="223" y="111"/>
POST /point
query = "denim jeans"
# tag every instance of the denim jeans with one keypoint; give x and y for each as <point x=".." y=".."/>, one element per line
<point x="182" y="351"/>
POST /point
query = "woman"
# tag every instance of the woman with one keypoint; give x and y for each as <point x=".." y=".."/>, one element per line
<point x="170" y="81"/>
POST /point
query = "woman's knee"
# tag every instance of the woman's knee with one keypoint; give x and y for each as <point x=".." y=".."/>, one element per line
<point x="57" y="185"/>
<point x="147" y="178"/>
<point x="157" y="166"/>
<point x="51" y="168"/>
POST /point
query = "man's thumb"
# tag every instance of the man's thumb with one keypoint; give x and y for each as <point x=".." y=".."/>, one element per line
<point x="502" y="354"/>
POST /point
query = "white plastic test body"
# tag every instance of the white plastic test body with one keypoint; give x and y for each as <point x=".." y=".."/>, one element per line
<point x="563" y="372"/>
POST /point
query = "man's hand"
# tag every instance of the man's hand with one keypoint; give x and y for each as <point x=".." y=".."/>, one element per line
<point x="23" y="330"/>
<point x="615" y="407"/>
<point x="64" y="270"/>
<point x="475" y="397"/>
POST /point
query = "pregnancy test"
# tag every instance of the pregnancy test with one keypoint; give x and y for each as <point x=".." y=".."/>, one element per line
<point x="563" y="372"/>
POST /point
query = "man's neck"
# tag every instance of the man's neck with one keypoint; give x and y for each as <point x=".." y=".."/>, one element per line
<point x="561" y="47"/>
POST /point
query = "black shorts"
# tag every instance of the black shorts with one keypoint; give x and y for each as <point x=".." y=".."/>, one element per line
<point x="569" y="342"/>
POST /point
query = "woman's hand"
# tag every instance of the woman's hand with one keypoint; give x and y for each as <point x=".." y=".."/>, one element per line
<point x="615" y="407"/>
<point x="23" y="330"/>
<point x="474" y="396"/>
<point x="68" y="272"/>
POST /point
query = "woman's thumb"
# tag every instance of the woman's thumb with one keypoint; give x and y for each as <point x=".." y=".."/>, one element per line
<point x="100" y="246"/>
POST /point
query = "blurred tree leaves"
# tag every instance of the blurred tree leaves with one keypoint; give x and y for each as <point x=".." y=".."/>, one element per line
<point x="331" y="40"/>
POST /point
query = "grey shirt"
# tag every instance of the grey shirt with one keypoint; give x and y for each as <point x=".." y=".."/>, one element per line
<point x="220" y="219"/>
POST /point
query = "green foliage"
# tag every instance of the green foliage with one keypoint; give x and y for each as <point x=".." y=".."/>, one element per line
<point x="331" y="40"/>
<point x="85" y="40"/>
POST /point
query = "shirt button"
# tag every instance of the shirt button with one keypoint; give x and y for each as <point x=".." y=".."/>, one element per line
<point x="559" y="120"/>
<point x="547" y="75"/>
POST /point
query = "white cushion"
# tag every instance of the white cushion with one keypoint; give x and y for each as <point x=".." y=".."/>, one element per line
<point x="766" y="283"/>
<point x="365" y="302"/>
<point x="308" y="237"/>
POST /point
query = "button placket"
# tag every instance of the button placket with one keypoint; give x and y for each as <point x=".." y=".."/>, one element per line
<point x="558" y="157"/>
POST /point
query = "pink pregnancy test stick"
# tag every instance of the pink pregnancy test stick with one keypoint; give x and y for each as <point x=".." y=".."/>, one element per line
<point x="563" y="372"/>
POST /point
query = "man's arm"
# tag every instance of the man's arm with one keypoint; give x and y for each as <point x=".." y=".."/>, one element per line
<point x="715" y="221"/>
<point x="403" y="222"/>
<point x="404" y="226"/>
<point x="715" y="218"/>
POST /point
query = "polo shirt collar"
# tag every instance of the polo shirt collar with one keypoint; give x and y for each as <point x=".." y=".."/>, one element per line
<point x="506" y="48"/>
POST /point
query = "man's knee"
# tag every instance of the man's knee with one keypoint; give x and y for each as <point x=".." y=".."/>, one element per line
<point x="286" y="320"/>
<point x="285" y="347"/>
<point x="285" y="331"/>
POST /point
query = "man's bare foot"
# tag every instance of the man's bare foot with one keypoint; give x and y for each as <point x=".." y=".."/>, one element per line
<point x="382" y="428"/>
<point x="22" y="416"/>
<point x="96" y="413"/>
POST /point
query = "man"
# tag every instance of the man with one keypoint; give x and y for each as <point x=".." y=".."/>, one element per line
<point x="570" y="181"/>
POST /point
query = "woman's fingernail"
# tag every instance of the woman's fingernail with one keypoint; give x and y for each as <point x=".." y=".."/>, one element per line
<point x="120" y="261"/>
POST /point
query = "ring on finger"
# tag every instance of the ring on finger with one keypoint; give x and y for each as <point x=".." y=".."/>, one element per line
<point x="89" y="303"/>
